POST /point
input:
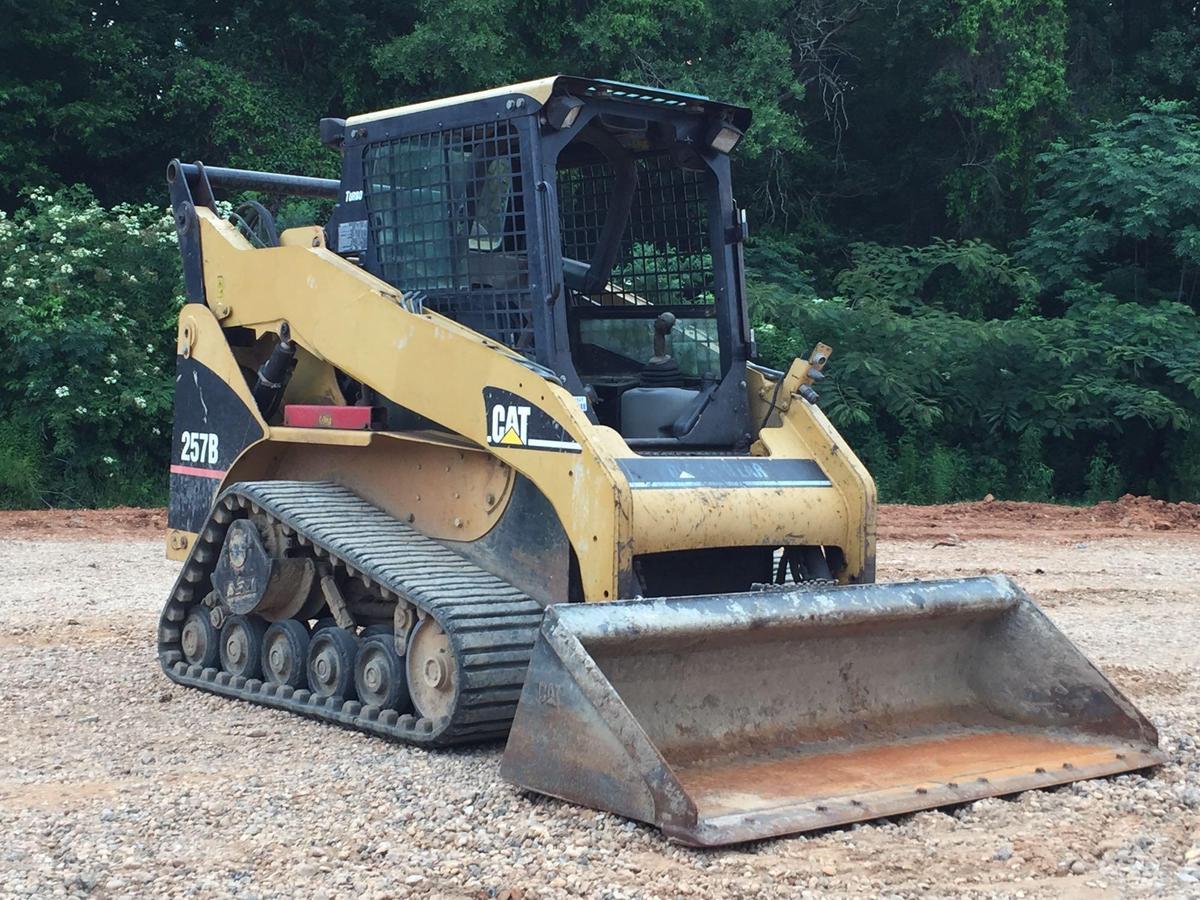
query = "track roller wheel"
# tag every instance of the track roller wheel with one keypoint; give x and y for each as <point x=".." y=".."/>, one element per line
<point x="199" y="640"/>
<point x="241" y="645"/>
<point x="322" y="623"/>
<point x="374" y="631"/>
<point x="331" y="656"/>
<point x="432" y="670"/>
<point x="379" y="674"/>
<point x="285" y="653"/>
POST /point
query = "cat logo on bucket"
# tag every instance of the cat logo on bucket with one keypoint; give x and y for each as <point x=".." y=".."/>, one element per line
<point x="510" y="425"/>
<point x="512" y="421"/>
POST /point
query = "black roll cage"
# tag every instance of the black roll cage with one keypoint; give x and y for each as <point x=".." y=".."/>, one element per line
<point x="724" y="420"/>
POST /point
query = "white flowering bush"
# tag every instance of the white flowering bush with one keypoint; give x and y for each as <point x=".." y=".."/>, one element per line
<point x="88" y="303"/>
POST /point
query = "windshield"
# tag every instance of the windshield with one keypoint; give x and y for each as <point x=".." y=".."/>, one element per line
<point x="636" y="243"/>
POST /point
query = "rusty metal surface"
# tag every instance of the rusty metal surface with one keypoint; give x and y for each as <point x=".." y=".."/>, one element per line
<point x="801" y="792"/>
<point x="735" y="717"/>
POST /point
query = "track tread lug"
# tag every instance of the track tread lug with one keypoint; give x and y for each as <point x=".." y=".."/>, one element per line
<point x="492" y="623"/>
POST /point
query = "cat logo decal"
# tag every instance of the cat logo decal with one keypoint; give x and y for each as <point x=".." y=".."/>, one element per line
<point x="512" y="421"/>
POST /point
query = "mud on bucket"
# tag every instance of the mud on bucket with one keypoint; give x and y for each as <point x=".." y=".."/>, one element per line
<point x="741" y="716"/>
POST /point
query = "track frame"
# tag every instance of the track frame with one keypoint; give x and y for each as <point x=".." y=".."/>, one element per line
<point x="492" y="625"/>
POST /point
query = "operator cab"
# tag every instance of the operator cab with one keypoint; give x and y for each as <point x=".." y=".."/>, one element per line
<point x="589" y="225"/>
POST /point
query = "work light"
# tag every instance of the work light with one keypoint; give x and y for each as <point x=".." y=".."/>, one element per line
<point x="723" y="137"/>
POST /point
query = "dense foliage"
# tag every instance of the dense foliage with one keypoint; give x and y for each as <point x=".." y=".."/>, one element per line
<point x="990" y="207"/>
<point x="1071" y="370"/>
<point x="88" y="325"/>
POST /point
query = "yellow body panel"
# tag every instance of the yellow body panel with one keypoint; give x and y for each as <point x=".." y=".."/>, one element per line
<point x="448" y="492"/>
<point x="341" y="316"/>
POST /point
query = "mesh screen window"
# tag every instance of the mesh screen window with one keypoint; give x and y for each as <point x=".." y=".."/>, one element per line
<point x="663" y="260"/>
<point x="664" y="256"/>
<point x="447" y="216"/>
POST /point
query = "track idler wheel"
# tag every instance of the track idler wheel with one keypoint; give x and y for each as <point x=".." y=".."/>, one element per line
<point x="200" y="641"/>
<point x="379" y="675"/>
<point x="285" y="654"/>
<point x="322" y="623"/>
<point x="331" y="656"/>
<point x="242" y="645"/>
<point x="432" y="670"/>
<point x="250" y="579"/>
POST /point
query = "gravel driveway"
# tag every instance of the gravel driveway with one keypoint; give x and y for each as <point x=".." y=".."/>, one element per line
<point x="114" y="782"/>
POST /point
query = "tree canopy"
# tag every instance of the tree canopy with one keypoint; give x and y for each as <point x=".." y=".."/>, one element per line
<point x="990" y="207"/>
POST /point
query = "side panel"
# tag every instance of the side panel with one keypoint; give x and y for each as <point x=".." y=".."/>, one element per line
<point x="212" y="426"/>
<point x="462" y="496"/>
<point x="215" y="419"/>
<point x="445" y="492"/>
<point x="528" y="546"/>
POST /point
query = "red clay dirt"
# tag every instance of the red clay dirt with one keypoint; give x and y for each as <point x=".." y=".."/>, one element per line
<point x="1005" y="519"/>
<point x="949" y="523"/>
<point x="84" y="524"/>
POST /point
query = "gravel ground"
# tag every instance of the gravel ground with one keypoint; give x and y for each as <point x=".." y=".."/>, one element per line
<point x="113" y="782"/>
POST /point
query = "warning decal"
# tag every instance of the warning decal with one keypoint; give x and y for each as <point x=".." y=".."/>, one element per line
<point x="682" y="472"/>
<point x="512" y="421"/>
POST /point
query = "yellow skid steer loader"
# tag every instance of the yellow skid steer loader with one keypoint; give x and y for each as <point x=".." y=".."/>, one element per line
<point x="485" y="455"/>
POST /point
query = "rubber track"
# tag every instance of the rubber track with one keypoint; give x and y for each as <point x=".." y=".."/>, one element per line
<point x="491" y="625"/>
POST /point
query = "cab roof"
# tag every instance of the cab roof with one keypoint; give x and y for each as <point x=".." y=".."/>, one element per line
<point x="543" y="89"/>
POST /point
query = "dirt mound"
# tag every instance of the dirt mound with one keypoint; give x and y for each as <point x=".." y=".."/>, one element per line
<point x="84" y="524"/>
<point x="1013" y="519"/>
<point x="1148" y="513"/>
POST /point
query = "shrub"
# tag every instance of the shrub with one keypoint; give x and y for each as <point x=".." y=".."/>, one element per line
<point x="1104" y="480"/>
<point x="88" y="303"/>
<point x="1014" y="407"/>
<point x="970" y="278"/>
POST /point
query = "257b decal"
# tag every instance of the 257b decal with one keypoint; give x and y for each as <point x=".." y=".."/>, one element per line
<point x="199" y="447"/>
<point x="512" y="421"/>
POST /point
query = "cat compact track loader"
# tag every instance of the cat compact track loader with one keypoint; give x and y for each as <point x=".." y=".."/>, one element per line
<point x="485" y="455"/>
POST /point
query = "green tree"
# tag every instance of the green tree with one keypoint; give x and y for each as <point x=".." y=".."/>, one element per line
<point x="971" y="278"/>
<point x="970" y="198"/>
<point x="1123" y="209"/>
<point x="80" y="88"/>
